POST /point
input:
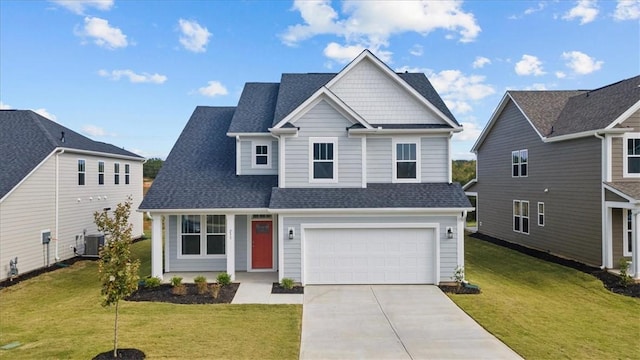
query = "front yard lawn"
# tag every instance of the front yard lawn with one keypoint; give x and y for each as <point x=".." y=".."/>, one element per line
<point x="58" y="315"/>
<point x="547" y="311"/>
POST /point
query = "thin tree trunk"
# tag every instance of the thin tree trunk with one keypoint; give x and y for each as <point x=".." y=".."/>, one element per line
<point x="115" y="333"/>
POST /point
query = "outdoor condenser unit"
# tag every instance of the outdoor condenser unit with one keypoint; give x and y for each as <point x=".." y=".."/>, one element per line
<point x="92" y="244"/>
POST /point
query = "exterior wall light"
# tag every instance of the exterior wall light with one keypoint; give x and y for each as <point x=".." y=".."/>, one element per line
<point x="290" y="233"/>
<point x="449" y="232"/>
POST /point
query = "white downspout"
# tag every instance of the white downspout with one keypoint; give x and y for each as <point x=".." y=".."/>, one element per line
<point x="57" y="258"/>
<point x="603" y="206"/>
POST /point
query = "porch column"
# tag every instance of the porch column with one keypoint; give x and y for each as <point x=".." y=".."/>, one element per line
<point x="635" y="242"/>
<point x="608" y="239"/>
<point x="230" y="246"/>
<point x="156" y="246"/>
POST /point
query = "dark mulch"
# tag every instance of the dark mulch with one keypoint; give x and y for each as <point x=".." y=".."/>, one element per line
<point x="610" y="281"/>
<point x="278" y="289"/>
<point x="123" y="354"/>
<point x="163" y="294"/>
<point x="455" y="289"/>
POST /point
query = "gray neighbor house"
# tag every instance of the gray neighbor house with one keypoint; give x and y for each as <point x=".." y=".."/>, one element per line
<point x="324" y="178"/>
<point x="559" y="171"/>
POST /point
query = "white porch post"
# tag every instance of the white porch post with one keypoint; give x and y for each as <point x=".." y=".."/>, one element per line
<point x="230" y="246"/>
<point x="608" y="238"/>
<point x="460" y="232"/>
<point x="156" y="246"/>
<point x="635" y="263"/>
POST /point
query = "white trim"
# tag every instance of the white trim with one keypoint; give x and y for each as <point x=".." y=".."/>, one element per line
<point x="462" y="221"/>
<point x="156" y="247"/>
<point x="203" y="238"/>
<point x="626" y="230"/>
<point x="101" y="154"/>
<point x="323" y="140"/>
<point x="625" y="115"/>
<point x="520" y="163"/>
<point x="363" y="145"/>
<point x="381" y="131"/>
<point x="363" y="211"/>
<point x="127" y="174"/>
<point x="250" y="246"/>
<point x="521" y="217"/>
<point x="84" y="172"/>
<point x="210" y="211"/>
<point x="310" y="226"/>
<point x="254" y="164"/>
<point x="248" y="134"/>
<point x="238" y="156"/>
<point x="394" y="162"/>
<point x="544" y="212"/>
<point x="230" y="245"/>
<point x="167" y="244"/>
<point x="625" y="152"/>
<point x="103" y="173"/>
<point x="281" y="161"/>
<point x="608" y="245"/>
<point x="607" y="146"/>
<point x="280" y="239"/>
<point x="619" y="193"/>
<point x="116" y="164"/>
<point x="449" y="160"/>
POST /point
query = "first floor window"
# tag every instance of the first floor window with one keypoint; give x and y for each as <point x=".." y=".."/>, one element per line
<point x="633" y="156"/>
<point x="81" y="172"/>
<point x="406" y="161"/>
<point x="203" y="235"/>
<point x="628" y="244"/>
<point x="540" y="214"/>
<point x="323" y="164"/>
<point x="116" y="173"/>
<point x="126" y="173"/>
<point x="521" y="216"/>
<point x="100" y="172"/>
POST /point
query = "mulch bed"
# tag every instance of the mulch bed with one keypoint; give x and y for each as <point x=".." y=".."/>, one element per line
<point x="278" y="289"/>
<point x="611" y="281"/>
<point x="455" y="289"/>
<point x="123" y="354"/>
<point x="163" y="294"/>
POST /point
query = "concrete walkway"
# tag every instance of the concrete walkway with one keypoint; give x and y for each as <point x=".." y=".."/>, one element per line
<point x="255" y="288"/>
<point x="391" y="322"/>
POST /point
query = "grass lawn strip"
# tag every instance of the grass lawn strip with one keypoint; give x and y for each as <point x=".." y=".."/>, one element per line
<point x="547" y="311"/>
<point x="58" y="315"/>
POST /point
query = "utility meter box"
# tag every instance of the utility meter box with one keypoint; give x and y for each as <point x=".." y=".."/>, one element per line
<point x="92" y="244"/>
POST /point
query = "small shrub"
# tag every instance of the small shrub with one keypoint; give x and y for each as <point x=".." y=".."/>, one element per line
<point x="223" y="279"/>
<point x="625" y="278"/>
<point x="176" y="281"/>
<point x="214" y="289"/>
<point x="152" y="282"/>
<point x="201" y="284"/>
<point x="458" y="275"/>
<point x="287" y="283"/>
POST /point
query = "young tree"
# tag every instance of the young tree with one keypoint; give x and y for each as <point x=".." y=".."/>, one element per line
<point x="118" y="272"/>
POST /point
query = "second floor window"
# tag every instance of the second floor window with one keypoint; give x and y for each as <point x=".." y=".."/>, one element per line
<point x="126" y="173"/>
<point x="260" y="154"/>
<point x="81" y="172"/>
<point x="116" y="173"/>
<point x="520" y="163"/>
<point x="406" y="161"/>
<point x="323" y="164"/>
<point x="100" y="172"/>
<point x="633" y="156"/>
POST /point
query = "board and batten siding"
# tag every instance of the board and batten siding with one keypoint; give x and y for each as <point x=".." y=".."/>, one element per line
<point x="617" y="149"/>
<point x="246" y="157"/>
<point x="379" y="99"/>
<point x="323" y="121"/>
<point x="293" y="247"/>
<point x="569" y="170"/>
<point x="31" y="208"/>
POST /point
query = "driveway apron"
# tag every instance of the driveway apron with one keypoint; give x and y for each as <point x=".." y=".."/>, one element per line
<point x="391" y="322"/>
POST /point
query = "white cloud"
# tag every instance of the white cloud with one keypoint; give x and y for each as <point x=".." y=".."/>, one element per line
<point x="458" y="90"/>
<point x="471" y="132"/>
<point x="103" y="34"/>
<point x="133" y="77"/>
<point x="194" y="37"/>
<point x="79" y="6"/>
<point x="370" y="24"/>
<point x="213" y="88"/>
<point x="585" y="10"/>
<point x="416" y="50"/>
<point x="341" y="53"/>
<point x="4" y="106"/>
<point x="560" y="75"/>
<point x="93" y="130"/>
<point x="529" y="65"/>
<point x="627" y="10"/>
<point x="581" y="63"/>
<point x="532" y="10"/>
<point x="45" y="113"/>
<point x="480" y="62"/>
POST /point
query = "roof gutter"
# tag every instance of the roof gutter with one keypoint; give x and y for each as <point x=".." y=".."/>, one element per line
<point x="586" y="134"/>
<point x="383" y="131"/>
<point x="103" y="154"/>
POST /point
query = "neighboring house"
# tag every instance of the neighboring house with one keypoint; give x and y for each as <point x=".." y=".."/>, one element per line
<point x="52" y="180"/>
<point x="559" y="171"/>
<point x="325" y="178"/>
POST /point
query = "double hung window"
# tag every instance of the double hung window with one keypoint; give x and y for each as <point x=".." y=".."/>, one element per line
<point x="202" y="235"/>
<point x="521" y="216"/>
<point x="520" y="163"/>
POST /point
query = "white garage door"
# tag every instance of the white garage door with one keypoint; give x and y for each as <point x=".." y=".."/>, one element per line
<point x="369" y="256"/>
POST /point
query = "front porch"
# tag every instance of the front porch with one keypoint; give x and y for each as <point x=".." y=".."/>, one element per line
<point x="241" y="276"/>
<point x="621" y="227"/>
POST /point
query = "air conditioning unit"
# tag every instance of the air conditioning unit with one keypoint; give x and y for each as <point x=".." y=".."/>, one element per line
<point x="93" y="244"/>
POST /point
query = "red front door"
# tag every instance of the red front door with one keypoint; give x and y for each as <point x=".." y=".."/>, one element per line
<point x="261" y="245"/>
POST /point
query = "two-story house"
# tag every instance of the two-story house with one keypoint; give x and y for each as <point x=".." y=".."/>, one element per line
<point x="325" y="178"/>
<point x="559" y="171"/>
<point x="52" y="180"/>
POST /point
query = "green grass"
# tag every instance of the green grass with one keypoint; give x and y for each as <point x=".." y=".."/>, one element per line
<point x="547" y="311"/>
<point x="58" y="316"/>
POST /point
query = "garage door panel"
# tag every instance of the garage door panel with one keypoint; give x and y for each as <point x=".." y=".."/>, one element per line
<point x="369" y="256"/>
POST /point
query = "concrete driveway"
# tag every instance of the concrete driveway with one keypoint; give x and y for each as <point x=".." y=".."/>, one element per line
<point x="391" y="322"/>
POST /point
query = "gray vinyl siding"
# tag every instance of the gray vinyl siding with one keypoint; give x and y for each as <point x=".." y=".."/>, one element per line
<point x="570" y="170"/>
<point x="617" y="229"/>
<point x="293" y="248"/>
<point x="323" y="121"/>
<point x="193" y="264"/>
<point x="31" y="208"/>
<point x="241" y="242"/>
<point x="379" y="161"/>
<point x="617" y="149"/>
<point x="246" y="157"/>
<point x="434" y="154"/>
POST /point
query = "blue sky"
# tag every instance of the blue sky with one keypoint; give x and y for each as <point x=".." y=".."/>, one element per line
<point x="131" y="73"/>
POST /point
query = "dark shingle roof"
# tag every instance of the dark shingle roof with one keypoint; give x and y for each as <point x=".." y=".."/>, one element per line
<point x="422" y="195"/>
<point x="295" y="89"/>
<point x="556" y="113"/>
<point x="199" y="173"/>
<point x="26" y="139"/>
<point x="255" y="108"/>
